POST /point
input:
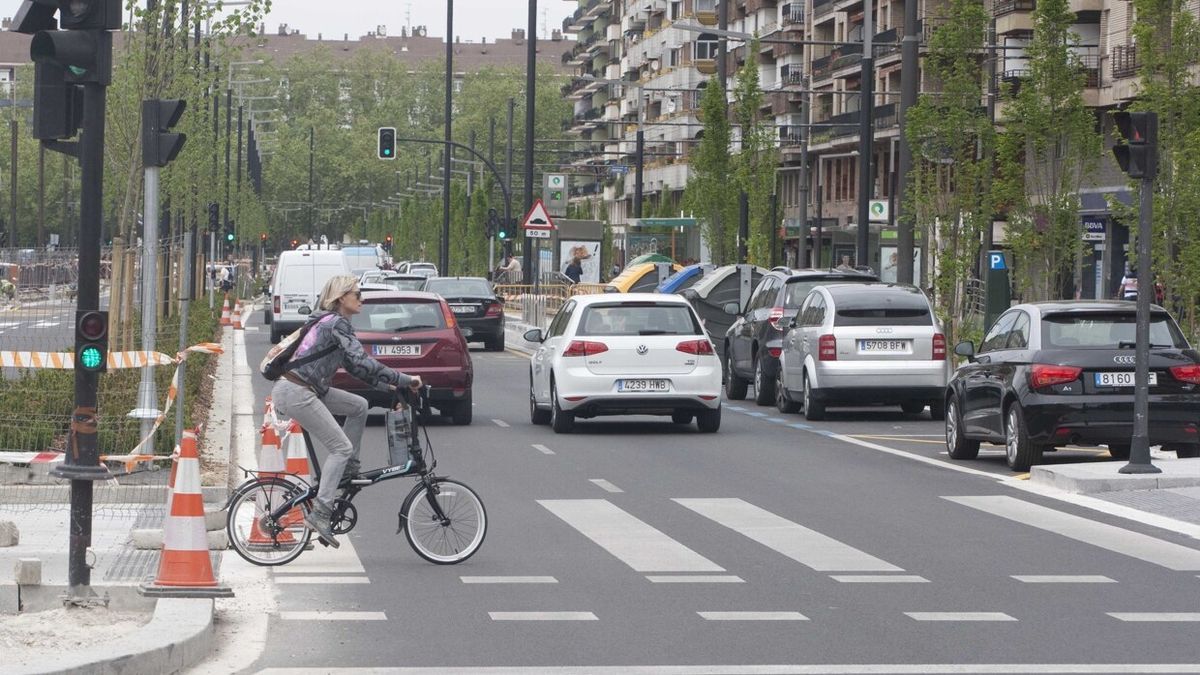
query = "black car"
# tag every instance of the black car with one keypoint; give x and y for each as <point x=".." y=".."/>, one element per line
<point x="480" y="314"/>
<point x="753" y="343"/>
<point x="1061" y="373"/>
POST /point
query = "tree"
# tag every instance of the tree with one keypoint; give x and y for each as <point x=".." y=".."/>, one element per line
<point x="709" y="192"/>
<point x="756" y="163"/>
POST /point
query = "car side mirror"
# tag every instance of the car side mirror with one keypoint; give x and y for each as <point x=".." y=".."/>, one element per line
<point x="792" y="323"/>
<point x="965" y="349"/>
<point x="732" y="308"/>
<point x="534" y="335"/>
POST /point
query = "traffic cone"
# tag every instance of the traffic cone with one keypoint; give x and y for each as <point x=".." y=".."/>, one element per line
<point x="270" y="464"/>
<point x="184" y="569"/>
<point x="297" y="467"/>
<point x="237" y="316"/>
<point x="225" y="319"/>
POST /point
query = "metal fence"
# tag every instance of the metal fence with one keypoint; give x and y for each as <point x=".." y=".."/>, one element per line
<point x="536" y="305"/>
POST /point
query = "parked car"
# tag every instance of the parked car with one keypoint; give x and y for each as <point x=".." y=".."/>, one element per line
<point x="480" y="314"/>
<point x="1052" y="374"/>
<point x="632" y="354"/>
<point x="856" y="344"/>
<point x="753" y="343"/>
<point x="402" y="282"/>
<point x="415" y="333"/>
<point x="299" y="278"/>
<point x="425" y="269"/>
<point x="712" y="293"/>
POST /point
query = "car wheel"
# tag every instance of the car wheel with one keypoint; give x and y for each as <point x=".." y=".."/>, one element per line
<point x="560" y="420"/>
<point x="937" y="410"/>
<point x="1119" y="451"/>
<point x="764" y="387"/>
<point x="912" y="407"/>
<point x="275" y="336"/>
<point x="682" y="417"/>
<point x="735" y="386"/>
<point x="813" y="409"/>
<point x="496" y="344"/>
<point x="463" y="411"/>
<point x="783" y="402"/>
<point x="1183" y="450"/>
<point x="709" y="421"/>
<point x="537" y="415"/>
<point x="1019" y="451"/>
<point x="959" y="446"/>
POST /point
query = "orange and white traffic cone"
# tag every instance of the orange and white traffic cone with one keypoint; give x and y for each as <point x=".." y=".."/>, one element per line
<point x="297" y="467"/>
<point x="237" y="316"/>
<point x="270" y="465"/>
<point x="184" y="569"/>
<point x="225" y="318"/>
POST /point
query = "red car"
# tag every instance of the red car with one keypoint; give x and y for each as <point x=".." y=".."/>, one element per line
<point x="417" y="334"/>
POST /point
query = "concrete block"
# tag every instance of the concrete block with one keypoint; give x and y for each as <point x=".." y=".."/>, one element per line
<point x="214" y="519"/>
<point x="11" y="474"/>
<point x="218" y="541"/>
<point x="10" y="598"/>
<point x="28" y="572"/>
<point x="9" y="535"/>
<point x="147" y="539"/>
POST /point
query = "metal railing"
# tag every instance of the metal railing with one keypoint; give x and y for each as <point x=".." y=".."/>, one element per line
<point x="1124" y="61"/>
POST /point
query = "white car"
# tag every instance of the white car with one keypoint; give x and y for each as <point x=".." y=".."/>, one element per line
<point x="628" y="354"/>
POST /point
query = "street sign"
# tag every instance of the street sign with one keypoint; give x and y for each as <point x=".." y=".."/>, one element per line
<point x="618" y="169"/>
<point x="996" y="260"/>
<point x="554" y="193"/>
<point x="538" y="219"/>
<point x="1093" y="229"/>
<point x="878" y="210"/>
<point x="537" y="234"/>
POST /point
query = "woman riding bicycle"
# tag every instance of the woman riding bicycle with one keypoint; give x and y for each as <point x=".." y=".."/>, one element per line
<point x="304" y="393"/>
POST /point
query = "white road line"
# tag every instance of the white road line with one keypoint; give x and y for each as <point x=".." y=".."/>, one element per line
<point x="752" y="616"/>
<point x="695" y="579"/>
<point x="634" y="542"/>
<point x="1156" y="616"/>
<point x="501" y="423"/>
<point x="322" y="580"/>
<point x="332" y="616"/>
<point x="777" y="420"/>
<point x="509" y="580"/>
<point x="1064" y="579"/>
<point x="773" y="669"/>
<point x="755" y="413"/>
<point x="735" y="408"/>
<point x="542" y="616"/>
<point x="605" y="485"/>
<point x="805" y="546"/>
<point x="324" y="560"/>
<point x="879" y="579"/>
<point x="1115" y="539"/>
<point x="959" y="616"/>
<point x="543" y="449"/>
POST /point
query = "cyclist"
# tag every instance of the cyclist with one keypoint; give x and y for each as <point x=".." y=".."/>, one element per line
<point x="304" y="393"/>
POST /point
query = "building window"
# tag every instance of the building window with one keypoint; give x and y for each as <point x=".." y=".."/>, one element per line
<point x="676" y="9"/>
<point x="706" y="47"/>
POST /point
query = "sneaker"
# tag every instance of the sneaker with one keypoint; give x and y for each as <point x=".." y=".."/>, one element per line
<point x="416" y="463"/>
<point x="318" y="520"/>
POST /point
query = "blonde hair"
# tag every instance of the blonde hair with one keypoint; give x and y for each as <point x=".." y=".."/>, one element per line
<point x="334" y="289"/>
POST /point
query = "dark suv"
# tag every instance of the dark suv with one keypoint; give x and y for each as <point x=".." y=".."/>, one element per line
<point x="753" y="343"/>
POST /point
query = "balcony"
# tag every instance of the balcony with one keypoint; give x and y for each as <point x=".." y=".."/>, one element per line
<point x="821" y="9"/>
<point x="706" y="12"/>
<point x="886" y="43"/>
<point x="1124" y="61"/>
<point x="886" y="116"/>
<point x="1005" y="7"/>
<point x="792" y="16"/>
<point x="1090" y="64"/>
<point x="846" y="60"/>
<point x="821" y="68"/>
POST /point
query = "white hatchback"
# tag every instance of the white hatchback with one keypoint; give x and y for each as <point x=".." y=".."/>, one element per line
<point x="628" y="354"/>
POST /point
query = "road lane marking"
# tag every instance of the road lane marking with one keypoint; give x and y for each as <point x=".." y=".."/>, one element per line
<point x="542" y="616"/>
<point x="879" y="579"/>
<point x="543" y="449"/>
<point x="903" y="439"/>
<point x="332" y="616"/>
<point x="801" y="425"/>
<point x="509" y="580"/>
<point x="322" y="580"/>
<point x="632" y="541"/>
<point x="752" y="616"/>
<point x="959" y="616"/>
<point x="46" y="324"/>
<point x="805" y="546"/>
<point x="1156" y="616"/>
<point x="1063" y="579"/>
<point x="695" y="579"/>
<point x="501" y="423"/>
<point x="735" y="408"/>
<point x="772" y="669"/>
<point x="325" y="560"/>
<point x="1109" y="537"/>
<point x="777" y="420"/>
<point x="605" y="485"/>
<point x="755" y="413"/>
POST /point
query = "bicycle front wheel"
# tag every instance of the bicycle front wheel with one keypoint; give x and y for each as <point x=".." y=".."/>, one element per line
<point x="448" y="540"/>
<point x="257" y="535"/>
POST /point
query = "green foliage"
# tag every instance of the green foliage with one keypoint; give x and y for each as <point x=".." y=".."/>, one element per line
<point x="709" y="192"/>
<point x="755" y="164"/>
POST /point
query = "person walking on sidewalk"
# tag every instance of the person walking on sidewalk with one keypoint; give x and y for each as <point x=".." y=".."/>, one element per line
<point x="305" y="395"/>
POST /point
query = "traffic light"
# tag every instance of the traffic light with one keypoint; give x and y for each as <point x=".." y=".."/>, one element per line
<point x="263" y="238"/>
<point x="387" y="143"/>
<point x="387" y="243"/>
<point x="1138" y="155"/>
<point x="214" y="216"/>
<point x="159" y="145"/>
<point x="91" y="340"/>
<point x="58" y="105"/>
<point x="83" y="50"/>
<point x="229" y="231"/>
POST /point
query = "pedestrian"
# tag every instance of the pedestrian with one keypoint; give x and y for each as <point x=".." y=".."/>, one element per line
<point x="305" y="394"/>
<point x="574" y="270"/>
<point x="1128" y="290"/>
<point x="511" y="270"/>
<point x="225" y="279"/>
<point x="845" y="266"/>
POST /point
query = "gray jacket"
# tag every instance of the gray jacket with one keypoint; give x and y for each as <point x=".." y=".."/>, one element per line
<point x="349" y="355"/>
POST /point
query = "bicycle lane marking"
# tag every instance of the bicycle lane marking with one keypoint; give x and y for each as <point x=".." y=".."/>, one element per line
<point x="501" y="423"/>
<point x="542" y="449"/>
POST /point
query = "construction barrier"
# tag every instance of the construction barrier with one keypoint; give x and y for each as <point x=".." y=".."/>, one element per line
<point x="225" y="318"/>
<point x="270" y="465"/>
<point x="237" y="316"/>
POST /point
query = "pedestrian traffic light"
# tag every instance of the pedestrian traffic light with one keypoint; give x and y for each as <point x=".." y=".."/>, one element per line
<point x="1138" y="155"/>
<point x="229" y="231"/>
<point x="263" y="237"/>
<point x="83" y="50"/>
<point x="159" y="144"/>
<point x="91" y="340"/>
<point x="58" y="106"/>
<point x="387" y="243"/>
<point x="387" y="143"/>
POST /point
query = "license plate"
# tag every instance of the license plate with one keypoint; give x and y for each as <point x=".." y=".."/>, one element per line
<point x="883" y="345"/>
<point x="462" y="309"/>
<point x="1122" y="379"/>
<point x="643" y="385"/>
<point x="397" y="350"/>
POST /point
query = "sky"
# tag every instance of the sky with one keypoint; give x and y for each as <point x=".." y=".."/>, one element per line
<point x="473" y="19"/>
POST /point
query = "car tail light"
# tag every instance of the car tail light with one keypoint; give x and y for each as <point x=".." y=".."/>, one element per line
<point x="584" y="348"/>
<point x="448" y="315"/>
<point x="939" y="347"/>
<point x="774" y="317"/>
<point x="493" y="309"/>
<point x="774" y="351"/>
<point x="275" y="306"/>
<point x="827" y="348"/>
<point x="1189" y="374"/>
<point x="697" y="347"/>
<point x="1046" y="375"/>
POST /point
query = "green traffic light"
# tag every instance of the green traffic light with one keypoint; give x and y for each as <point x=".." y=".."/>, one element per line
<point x="229" y="237"/>
<point x="90" y="357"/>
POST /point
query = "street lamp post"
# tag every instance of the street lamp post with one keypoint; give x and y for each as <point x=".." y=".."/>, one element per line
<point x="444" y="249"/>
<point x="866" y="139"/>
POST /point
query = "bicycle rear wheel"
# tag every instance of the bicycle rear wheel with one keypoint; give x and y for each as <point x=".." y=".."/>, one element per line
<point x="255" y="534"/>
<point x="455" y="539"/>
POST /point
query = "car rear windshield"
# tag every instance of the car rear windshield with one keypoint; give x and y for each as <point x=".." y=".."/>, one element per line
<point x="404" y="284"/>
<point x="459" y="287"/>
<point x="648" y="318"/>
<point x="1106" y="330"/>
<point x="884" y="308"/>
<point x="391" y="316"/>
<point x="796" y="290"/>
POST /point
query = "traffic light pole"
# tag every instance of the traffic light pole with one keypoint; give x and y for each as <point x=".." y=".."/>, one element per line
<point x="147" y="410"/>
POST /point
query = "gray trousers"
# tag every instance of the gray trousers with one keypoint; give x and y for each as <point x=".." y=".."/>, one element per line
<point x="315" y="415"/>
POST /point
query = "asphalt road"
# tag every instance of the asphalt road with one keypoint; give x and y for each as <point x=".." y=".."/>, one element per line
<point x="636" y="542"/>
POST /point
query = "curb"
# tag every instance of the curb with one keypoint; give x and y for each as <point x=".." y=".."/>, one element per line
<point x="1104" y="477"/>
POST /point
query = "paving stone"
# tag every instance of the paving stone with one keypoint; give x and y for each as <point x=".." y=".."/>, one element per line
<point x="28" y="572"/>
<point x="9" y="535"/>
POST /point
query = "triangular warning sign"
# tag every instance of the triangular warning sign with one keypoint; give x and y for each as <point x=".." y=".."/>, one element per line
<point x="538" y="218"/>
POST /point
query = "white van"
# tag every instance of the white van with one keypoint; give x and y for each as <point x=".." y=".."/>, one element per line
<point x="299" y="278"/>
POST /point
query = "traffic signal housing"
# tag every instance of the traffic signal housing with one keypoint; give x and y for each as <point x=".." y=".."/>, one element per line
<point x="91" y="340"/>
<point x="214" y="216"/>
<point x="1138" y="155"/>
<point x="387" y="143"/>
<point x="229" y="235"/>
<point x="387" y="243"/>
<point x="159" y="144"/>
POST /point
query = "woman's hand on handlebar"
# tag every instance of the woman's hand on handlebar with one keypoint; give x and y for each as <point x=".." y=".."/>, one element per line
<point x="415" y="384"/>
